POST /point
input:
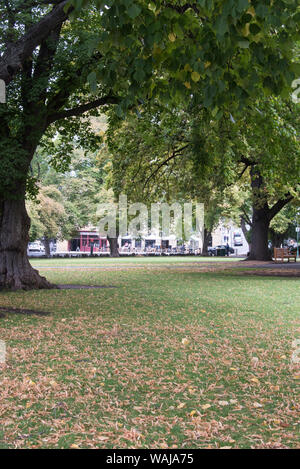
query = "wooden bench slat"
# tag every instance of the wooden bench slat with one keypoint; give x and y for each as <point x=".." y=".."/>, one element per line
<point x="283" y="253"/>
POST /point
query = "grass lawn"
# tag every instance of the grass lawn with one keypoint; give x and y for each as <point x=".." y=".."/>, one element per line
<point x="169" y="358"/>
<point x="130" y="260"/>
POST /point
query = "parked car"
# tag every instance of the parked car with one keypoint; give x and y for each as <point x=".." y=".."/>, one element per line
<point x="212" y="251"/>
<point x="35" y="248"/>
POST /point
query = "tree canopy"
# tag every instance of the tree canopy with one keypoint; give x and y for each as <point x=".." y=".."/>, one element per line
<point x="218" y="52"/>
<point x="187" y="153"/>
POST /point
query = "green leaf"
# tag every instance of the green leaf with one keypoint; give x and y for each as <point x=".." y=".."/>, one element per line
<point x="221" y="26"/>
<point x="92" y="80"/>
<point x="134" y="10"/>
<point x="242" y="5"/>
<point x="243" y="44"/>
<point x="195" y="76"/>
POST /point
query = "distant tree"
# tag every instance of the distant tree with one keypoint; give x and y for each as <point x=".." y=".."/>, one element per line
<point x="265" y="142"/>
<point x="79" y="190"/>
<point x="153" y="160"/>
<point x="283" y="225"/>
<point x="107" y="196"/>
<point x="193" y="153"/>
<point x="47" y="217"/>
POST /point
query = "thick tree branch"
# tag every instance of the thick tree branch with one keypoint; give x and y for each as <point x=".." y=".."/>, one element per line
<point x="245" y="217"/>
<point x="279" y="205"/>
<point x="79" y="110"/>
<point x="247" y="162"/>
<point x="46" y="53"/>
<point x="243" y="171"/>
<point x="166" y="161"/>
<point x="67" y="85"/>
<point x="11" y="62"/>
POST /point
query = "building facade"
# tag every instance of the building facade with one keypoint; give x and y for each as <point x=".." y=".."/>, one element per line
<point x="88" y="240"/>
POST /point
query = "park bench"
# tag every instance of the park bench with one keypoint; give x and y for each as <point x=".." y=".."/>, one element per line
<point x="283" y="253"/>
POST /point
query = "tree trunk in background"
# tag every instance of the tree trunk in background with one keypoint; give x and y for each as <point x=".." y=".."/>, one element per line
<point x="15" y="270"/>
<point x="277" y="238"/>
<point x="206" y="240"/>
<point x="113" y="246"/>
<point x="47" y="246"/>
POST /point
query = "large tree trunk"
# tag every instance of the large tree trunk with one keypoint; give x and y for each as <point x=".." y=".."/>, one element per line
<point x="260" y="219"/>
<point x="259" y="250"/>
<point x="15" y="270"/>
<point x="113" y="246"/>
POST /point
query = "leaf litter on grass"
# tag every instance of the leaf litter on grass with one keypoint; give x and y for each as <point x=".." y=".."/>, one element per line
<point x="109" y="368"/>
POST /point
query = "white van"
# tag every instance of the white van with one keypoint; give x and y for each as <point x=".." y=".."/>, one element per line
<point x="237" y="239"/>
<point x="35" y="248"/>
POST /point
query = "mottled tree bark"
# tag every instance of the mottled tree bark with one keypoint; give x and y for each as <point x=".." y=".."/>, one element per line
<point x="260" y="219"/>
<point x="16" y="271"/>
<point x="259" y="237"/>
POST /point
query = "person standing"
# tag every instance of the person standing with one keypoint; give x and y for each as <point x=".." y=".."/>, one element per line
<point x="227" y="249"/>
<point x="92" y="247"/>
